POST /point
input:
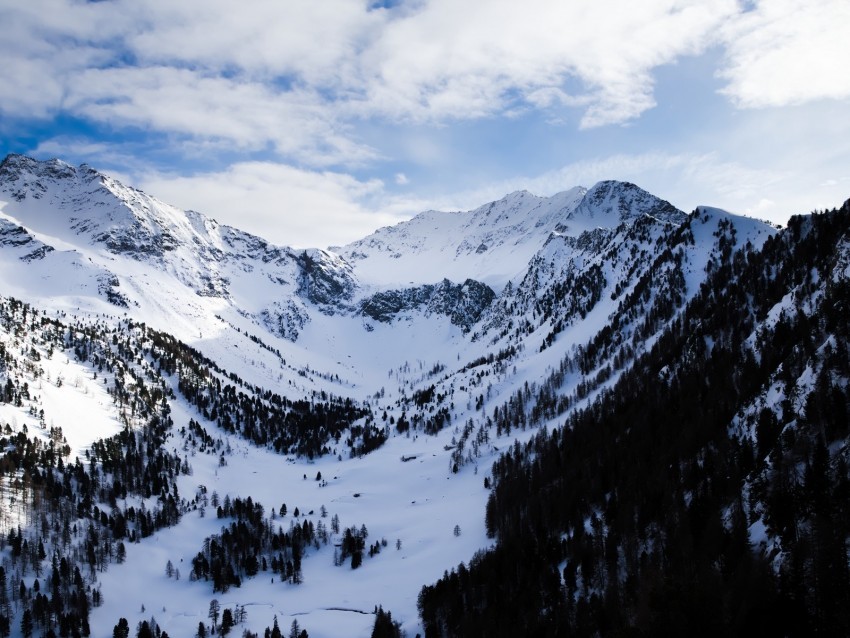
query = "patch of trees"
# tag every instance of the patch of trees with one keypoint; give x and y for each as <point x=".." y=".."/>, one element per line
<point x="466" y="447"/>
<point x="385" y="626"/>
<point x="252" y="543"/>
<point x="306" y="428"/>
<point x="295" y="631"/>
<point x="505" y="354"/>
<point x="353" y="544"/>
<point x="366" y="438"/>
<point x="570" y="297"/>
<point x="144" y="629"/>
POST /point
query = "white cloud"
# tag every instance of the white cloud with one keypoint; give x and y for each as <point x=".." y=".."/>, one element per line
<point x="467" y="58"/>
<point x="788" y="52"/>
<point x="401" y="179"/>
<point x="286" y="205"/>
<point x="186" y="102"/>
<point x="315" y="43"/>
<point x="40" y="47"/>
<point x="300" y="78"/>
<point x="292" y="74"/>
<point x="763" y="208"/>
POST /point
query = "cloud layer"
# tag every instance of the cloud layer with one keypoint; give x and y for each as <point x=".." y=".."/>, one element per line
<point x="298" y="76"/>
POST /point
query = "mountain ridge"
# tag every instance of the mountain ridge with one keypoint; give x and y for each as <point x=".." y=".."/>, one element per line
<point x="128" y="222"/>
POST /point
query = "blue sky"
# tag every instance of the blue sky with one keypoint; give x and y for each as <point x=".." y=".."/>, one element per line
<point x="313" y="122"/>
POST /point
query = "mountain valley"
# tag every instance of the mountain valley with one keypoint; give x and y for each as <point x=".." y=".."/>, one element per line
<point x="585" y="414"/>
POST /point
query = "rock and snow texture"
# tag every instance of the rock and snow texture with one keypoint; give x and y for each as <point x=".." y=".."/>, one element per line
<point x="88" y="242"/>
<point x="179" y="269"/>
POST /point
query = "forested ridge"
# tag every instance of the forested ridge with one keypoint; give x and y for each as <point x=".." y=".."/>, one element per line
<point x="74" y="516"/>
<point x="706" y="492"/>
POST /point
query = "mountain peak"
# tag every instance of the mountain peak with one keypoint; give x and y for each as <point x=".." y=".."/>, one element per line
<point x="611" y="202"/>
<point x="23" y="177"/>
<point x="15" y="164"/>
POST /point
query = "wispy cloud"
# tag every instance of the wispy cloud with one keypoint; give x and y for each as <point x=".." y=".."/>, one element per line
<point x="248" y="115"/>
<point x="287" y="205"/>
<point x="464" y="58"/>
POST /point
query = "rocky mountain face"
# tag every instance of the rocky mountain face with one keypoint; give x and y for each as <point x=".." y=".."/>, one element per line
<point x="462" y="303"/>
<point x="115" y="229"/>
<point x="609" y="203"/>
<point x="611" y="263"/>
<point x="128" y="235"/>
<point x="491" y="243"/>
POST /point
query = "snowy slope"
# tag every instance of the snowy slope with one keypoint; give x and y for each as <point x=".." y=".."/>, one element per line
<point x="112" y="225"/>
<point x="491" y="244"/>
<point x="92" y="244"/>
<point x="494" y="243"/>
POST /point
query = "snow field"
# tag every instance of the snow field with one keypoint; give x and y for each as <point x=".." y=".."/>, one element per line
<point x="418" y="502"/>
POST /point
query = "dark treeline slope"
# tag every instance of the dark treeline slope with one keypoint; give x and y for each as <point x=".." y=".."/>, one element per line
<point x="707" y="492"/>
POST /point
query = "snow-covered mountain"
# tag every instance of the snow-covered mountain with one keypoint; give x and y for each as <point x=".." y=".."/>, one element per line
<point x="88" y="243"/>
<point x="147" y="254"/>
<point x="393" y="370"/>
<point x="494" y="243"/>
